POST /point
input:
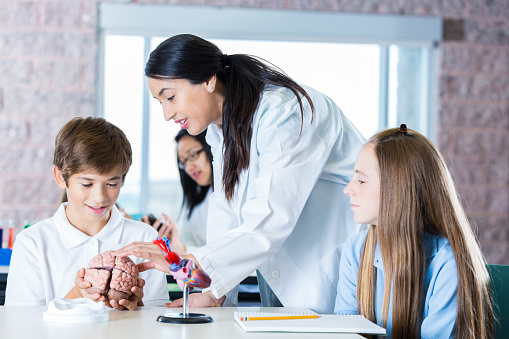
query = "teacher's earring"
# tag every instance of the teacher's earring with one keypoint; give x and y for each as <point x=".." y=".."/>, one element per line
<point x="211" y="88"/>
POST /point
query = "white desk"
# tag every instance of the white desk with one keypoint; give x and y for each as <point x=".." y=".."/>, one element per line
<point x="20" y="322"/>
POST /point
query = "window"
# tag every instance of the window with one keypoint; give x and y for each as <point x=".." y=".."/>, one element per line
<point x="378" y="69"/>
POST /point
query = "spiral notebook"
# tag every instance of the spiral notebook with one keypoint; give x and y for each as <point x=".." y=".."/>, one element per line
<point x="322" y="323"/>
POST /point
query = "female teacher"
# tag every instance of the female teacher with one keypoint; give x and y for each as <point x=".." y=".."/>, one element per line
<point x="283" y="154"/>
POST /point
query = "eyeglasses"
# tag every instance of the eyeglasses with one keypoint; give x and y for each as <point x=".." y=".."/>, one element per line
<point x="192" y="157"/>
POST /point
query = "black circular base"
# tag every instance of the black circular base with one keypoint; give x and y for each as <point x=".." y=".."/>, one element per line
<point x="178" y="318"/>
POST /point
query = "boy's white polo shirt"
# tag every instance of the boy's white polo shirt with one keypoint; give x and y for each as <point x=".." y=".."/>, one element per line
<point x="47" y="256"/>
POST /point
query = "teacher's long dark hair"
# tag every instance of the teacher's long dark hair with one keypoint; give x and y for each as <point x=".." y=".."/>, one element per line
<point x="192" y="58"/>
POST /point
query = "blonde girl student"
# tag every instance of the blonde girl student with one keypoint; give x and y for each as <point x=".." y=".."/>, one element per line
<point x="418" y="270"/>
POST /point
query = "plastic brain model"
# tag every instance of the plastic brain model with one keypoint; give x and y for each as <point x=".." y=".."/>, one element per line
<point x="112" y="276"/>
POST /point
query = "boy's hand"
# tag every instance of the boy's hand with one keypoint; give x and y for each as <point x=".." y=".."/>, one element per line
<point x="80" y="286"/>
<point x="133" y="301"/>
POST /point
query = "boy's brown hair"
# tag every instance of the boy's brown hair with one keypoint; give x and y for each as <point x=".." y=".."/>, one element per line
<point x="91" y="144"/>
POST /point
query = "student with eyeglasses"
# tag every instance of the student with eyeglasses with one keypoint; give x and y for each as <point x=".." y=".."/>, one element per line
<point x="283" y="153"/>
<point x="194" y="159"/>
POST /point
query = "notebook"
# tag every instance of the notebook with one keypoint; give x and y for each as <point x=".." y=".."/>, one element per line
<point x="324" y="323"/>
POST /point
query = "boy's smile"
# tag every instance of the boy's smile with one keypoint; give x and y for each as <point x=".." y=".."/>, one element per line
<point x="91" y="196"/>
<point x="97" y="210"/>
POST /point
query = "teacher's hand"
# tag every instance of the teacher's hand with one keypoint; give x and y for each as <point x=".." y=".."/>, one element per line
<point x="206" y="299"/>
<point x="149" y="251"/>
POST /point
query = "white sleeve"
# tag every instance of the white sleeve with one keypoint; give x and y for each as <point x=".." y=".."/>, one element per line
<point x="25" y="286"/>
<point x="289" y="165"/>
<point x="156" y="288"/>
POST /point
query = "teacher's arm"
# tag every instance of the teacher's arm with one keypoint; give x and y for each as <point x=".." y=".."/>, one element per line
<point x="287" y="164"/>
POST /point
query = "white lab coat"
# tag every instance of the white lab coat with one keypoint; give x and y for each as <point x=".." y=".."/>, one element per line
<point x="289" y="217"/>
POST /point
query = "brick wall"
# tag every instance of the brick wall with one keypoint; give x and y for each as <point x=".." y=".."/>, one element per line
<point x="48" y="62"/>
<point x="47" y="76"/>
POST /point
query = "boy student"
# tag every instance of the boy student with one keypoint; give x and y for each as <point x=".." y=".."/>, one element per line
<point x="92" y="158"/>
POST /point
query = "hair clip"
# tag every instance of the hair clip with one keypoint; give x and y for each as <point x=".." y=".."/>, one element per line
<point x="402" y="128"/>
<point x="225" y="61"/>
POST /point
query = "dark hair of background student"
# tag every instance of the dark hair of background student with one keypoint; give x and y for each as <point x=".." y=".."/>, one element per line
<point x="192" y="58"/>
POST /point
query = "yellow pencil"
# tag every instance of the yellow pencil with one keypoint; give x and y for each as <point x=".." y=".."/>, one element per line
<point x="282" y="317"/>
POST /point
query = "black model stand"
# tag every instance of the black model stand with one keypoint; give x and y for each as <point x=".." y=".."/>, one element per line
<point x="185" y="317"/>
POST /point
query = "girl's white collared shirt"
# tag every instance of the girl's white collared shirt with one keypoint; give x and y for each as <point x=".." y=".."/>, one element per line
<point x="193" y="230"/>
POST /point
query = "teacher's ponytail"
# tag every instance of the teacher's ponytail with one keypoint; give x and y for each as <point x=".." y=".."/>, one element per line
<point x="186" y="56"/>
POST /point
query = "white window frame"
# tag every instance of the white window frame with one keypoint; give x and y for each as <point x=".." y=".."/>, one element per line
<point x="279" y="25"/>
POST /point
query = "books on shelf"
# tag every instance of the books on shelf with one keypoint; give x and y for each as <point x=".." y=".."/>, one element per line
<point x="305" y="321"/>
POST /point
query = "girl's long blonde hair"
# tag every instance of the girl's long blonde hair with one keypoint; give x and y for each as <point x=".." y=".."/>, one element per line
<point x="417" y="195"/>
